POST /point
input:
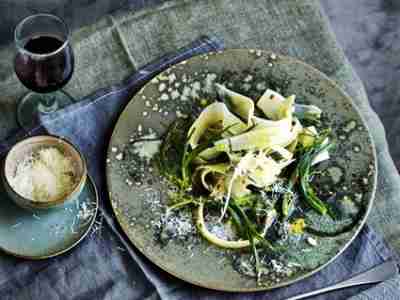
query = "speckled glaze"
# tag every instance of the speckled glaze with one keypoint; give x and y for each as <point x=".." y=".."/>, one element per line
<point x="138" y="195"/>
<point x="42" y="234"/>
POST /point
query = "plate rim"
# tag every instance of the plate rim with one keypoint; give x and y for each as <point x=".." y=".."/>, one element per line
<point x="70" y="247"/>
<point x="360" y="224"/>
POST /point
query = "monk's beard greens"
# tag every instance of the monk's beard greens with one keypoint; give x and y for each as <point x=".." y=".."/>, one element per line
<point x="251" y="162"/>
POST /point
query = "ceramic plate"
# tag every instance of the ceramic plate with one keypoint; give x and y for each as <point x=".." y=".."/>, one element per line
<point x="138" y="195"/>
<point x="43" y="234"/>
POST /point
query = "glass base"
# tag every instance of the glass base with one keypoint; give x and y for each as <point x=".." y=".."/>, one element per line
<point x="32" y="105"/>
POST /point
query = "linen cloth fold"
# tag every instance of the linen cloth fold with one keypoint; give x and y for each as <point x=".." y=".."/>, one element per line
<point x="107" y="266"/>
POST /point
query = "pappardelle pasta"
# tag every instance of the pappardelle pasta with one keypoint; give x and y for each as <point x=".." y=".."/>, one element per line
<point x="247" y="162"/>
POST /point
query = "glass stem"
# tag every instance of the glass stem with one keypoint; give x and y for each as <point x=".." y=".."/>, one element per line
<point x="48" y="104"/>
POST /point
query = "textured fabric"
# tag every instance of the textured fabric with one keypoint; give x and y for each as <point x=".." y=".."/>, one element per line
<point x="76" y="13"/>
<point x="368" y="31"/>
<point x="101" y="267"/>
<point x="385" y="291"/>
<point x="117" y="45"/>
<point x="88" y="124"/>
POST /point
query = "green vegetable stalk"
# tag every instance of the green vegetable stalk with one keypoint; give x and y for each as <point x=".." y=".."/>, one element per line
<point x="303" y="174"/>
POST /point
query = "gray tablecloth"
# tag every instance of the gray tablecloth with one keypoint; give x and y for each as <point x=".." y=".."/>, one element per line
<point x="120" y="43"/>
<point x="87" y="125"/>
<point x="368" y="31"/>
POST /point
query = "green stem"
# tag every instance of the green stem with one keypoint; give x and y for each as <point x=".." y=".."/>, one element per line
<point x="255" y="253"/>
<point x="180" y="204"/>
<point x="238" y="224"/>
<point x="250" y="227"/>
<point x="287" y="204"/>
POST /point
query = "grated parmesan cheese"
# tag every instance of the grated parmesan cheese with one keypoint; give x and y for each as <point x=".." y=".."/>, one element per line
<point x="147" y="149"/>
<point x="44" y="175"/>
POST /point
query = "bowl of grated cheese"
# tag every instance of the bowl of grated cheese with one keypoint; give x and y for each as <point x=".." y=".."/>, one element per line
<point x="44" y="172"/>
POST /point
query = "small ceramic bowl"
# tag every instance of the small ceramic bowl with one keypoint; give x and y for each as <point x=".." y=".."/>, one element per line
<point x="29" y="145"/>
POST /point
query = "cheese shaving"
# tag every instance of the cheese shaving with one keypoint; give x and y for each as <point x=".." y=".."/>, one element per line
<point x="44" y="175"/>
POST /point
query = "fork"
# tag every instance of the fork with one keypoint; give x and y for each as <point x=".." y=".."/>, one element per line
<point x="376" y="274"/>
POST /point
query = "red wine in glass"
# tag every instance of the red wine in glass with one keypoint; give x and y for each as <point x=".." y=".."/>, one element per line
<point x="47" y="73"/>
<point x="44" y="63"/>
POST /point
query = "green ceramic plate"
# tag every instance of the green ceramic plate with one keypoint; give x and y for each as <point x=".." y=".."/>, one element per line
<point x="43" y="234"/>
<point x="138" y="194"/>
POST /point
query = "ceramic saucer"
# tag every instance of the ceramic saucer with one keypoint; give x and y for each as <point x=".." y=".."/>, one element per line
<point x="44" y="234"/>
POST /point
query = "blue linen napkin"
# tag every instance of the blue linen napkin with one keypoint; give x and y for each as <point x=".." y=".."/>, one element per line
<point x="88" y="124"/>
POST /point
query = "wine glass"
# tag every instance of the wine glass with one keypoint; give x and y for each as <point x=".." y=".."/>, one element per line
<point x="44" y="63"/>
